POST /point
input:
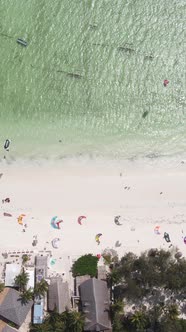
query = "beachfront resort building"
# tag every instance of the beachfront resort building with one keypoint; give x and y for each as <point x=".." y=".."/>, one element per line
<point x="95" y="304"/>
<point x="12" y="270"/>
<point x="39" y="301"/>
<point x="12" y="310"/>
<point x="58" y="295"/>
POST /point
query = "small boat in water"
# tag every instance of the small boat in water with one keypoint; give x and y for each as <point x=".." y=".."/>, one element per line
<point x="22" y="42"/>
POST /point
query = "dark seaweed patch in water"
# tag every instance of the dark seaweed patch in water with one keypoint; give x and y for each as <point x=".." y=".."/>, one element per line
<point x="145" y="114"/>
<point x="74" y="75"/>
<point x="149" y="57"/>
<point x="126" y="49"/>
<point x="93" y="26"/>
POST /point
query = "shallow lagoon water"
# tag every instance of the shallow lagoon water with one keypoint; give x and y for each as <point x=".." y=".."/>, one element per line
<point x="90" y="71"/>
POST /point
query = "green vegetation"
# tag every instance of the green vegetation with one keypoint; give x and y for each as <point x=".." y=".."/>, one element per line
<point x="2" y="286"/>
<point x="68" y="321"/>
<point x="21" y="280"/>
<point x="110" y="256"/>
<point x="154" y="280"/>
<point x="41" y="288"/>
<point x="86" y="264"/>
<point x="26" y="296"/>
<point x="25" y="259"/>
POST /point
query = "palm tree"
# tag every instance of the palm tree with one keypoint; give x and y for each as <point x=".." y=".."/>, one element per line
<point x="113" y="278"/>
<point x="26" y="296"/>
<point x="139" y="320"/>
<point x="25" y="258"/>
<point x="2" y="286"/>
<point x="118" y="306"/>
<point x="41" y="288"/>
<point x="75" y="321"/>
<point x="21" y="280"/>
<point x="40" y="328"/>
<point x="172" y="311"/>
<point x="55" y="320"/>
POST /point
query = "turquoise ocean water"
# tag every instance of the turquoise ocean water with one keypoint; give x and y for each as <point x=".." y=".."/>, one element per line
<point x="89" y="72"/>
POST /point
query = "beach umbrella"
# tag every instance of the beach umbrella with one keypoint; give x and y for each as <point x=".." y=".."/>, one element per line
<point x="55" y="221"/>
<point x="156" y="230"/>
<point x="184" y="240"/>
<point x="116" y="220"/>
<point x="20" y="218"/>
<point x="55" y="243"/>
<point x="97" y="238"/>
<point x="80" y="218"/>
<point x="167" y="237"/>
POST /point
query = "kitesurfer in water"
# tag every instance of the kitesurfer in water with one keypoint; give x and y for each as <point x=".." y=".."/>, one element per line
<point x="7" y="144"/>
<point x="165" y="82"/>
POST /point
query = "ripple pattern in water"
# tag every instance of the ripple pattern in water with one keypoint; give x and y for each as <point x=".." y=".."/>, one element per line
<point x="90" y="71"/>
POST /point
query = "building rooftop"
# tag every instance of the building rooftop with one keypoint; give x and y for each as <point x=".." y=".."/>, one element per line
<point x="38" y="312"/>
<point x="6" y="328"/>
<point x="12" y="271"/>
<point x="58" y="295"/>
<point x="41" y="267"/>
<point x="95" y="305"/>
<point x="78" y="281"/>
<point x="31" y="275"/>
<point x="11" y="307"/>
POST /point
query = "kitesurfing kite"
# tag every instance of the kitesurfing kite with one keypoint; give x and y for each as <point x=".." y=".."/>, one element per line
<point x="80" y="218"/>
<point x="97" y="238"/>
<point x="157" y="230"/>
<point x="20" y="219"/>
<point x="116" y="220"/>
<point x="55" y="221"/>
<point x="7" y="144"/>
<point x="55" y="243"/>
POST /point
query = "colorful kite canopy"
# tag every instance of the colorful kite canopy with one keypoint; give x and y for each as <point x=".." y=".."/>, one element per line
<point x="80" y="218"/>
<point x="97" y="238"/>
<point x="55" y="243"/>
<point x="157" y="230"/>
<point x="116" y="220"/>
<point x="20" y="219"/>
<point x="55" y="221"/>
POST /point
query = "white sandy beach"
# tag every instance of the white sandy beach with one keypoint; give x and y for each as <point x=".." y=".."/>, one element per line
<point x="157" y="196"/>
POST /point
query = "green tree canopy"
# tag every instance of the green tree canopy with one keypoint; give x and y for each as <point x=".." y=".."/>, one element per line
<point x="68" y="321"/>
<point x="151" y="270"/>
<point x="86" y="264"/>
<point x="21" y="280"/>
<point x="26" y="296"/>
<point x="41" y="288"/>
